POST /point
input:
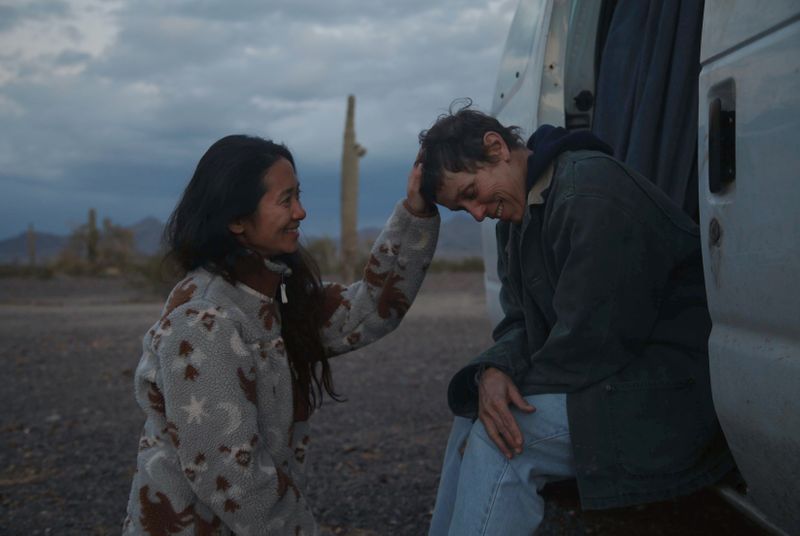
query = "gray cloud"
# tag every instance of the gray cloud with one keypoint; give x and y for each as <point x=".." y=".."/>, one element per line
<point x="134" y="112"/>
<point x="12" y="15"/>
<point x="72" y="57"/>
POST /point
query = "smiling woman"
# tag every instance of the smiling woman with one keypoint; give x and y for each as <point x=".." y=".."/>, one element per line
<point x="274" y="228"/>
<point x="475" y="164"/>
<point x="238" y="361"/>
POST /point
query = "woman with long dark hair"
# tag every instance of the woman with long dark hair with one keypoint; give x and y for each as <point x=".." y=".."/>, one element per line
<point x="239" y="358"/>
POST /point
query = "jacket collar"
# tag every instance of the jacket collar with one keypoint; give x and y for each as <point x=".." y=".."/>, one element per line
<point x="546" y="144"/>
<point x="535" y="194"/>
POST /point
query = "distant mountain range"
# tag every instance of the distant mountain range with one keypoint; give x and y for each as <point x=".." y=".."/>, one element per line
<point x="459" y="237"/>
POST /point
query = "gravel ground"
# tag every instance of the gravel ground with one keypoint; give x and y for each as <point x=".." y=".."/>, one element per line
<point x="69" y="424"/>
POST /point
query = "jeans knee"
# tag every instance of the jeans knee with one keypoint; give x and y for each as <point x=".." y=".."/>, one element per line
<point x="479" y="441"/>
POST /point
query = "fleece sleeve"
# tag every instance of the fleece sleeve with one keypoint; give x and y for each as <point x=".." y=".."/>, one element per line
<point x="364" y="311"/>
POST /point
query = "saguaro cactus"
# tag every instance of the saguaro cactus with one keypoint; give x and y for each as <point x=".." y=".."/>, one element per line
<point x="351" y="152"/>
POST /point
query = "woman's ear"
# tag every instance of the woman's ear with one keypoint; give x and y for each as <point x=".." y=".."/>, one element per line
<point x="236" y="227"/>
<point x="495" y="147"/>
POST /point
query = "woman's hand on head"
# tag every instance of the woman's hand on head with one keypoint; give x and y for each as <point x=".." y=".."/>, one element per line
<point x="414" y="200"/>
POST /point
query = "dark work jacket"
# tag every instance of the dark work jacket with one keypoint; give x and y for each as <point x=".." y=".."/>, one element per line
<point x="603" y="295"/>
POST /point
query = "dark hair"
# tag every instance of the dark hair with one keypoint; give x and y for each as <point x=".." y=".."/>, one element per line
<point x="455" y="143"/>
<point x="227" y="185"/>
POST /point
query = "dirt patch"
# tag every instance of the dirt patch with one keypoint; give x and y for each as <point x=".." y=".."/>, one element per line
<point x="70" y="426"/>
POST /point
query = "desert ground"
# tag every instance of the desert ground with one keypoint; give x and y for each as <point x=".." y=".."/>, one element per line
<point x="69" y="423"/>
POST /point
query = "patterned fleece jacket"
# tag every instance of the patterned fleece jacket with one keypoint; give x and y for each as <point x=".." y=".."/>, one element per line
<point x="222" y="451"/>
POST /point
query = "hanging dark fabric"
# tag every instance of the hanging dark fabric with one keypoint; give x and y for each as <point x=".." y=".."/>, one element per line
<point x="646" y="106"/>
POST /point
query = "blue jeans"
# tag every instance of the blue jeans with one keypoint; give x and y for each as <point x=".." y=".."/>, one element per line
<point x="483" y="492"/>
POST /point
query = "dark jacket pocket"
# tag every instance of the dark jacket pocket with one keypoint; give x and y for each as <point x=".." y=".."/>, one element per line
<point x="659" y="427"/>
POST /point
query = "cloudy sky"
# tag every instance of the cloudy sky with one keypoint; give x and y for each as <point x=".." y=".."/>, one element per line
<point x="109" y="104"/>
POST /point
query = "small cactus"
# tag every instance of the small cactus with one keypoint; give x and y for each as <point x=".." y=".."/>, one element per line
<point x="31" y="242"/>
<point x="92" y="238"/>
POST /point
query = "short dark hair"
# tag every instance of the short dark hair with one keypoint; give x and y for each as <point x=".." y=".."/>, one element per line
<point x="455" y="143"/>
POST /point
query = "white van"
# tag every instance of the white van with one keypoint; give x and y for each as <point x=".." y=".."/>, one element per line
<point x="739" y="176"/>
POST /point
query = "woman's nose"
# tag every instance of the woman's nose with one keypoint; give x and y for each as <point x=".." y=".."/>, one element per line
<point x="477" y="211"/>
<point x="299" y="212"/>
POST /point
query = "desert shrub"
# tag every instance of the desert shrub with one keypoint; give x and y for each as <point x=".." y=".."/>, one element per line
<point x="325" y="252"/>
<point x="109" y="251"/>
<point x="155" y="273"/>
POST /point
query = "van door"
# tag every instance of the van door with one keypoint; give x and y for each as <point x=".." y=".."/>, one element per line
<point x="748" y="148"/>
<point x="527" y="94"/>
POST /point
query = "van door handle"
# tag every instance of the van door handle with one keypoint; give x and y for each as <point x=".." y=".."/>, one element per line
<point x="721" y="146"/>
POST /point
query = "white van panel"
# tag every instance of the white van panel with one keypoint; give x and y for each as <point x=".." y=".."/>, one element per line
<point x="751" y="272"/>
<point x="516" y="98"/>
<point x="551" y="92"/>
<point x="732" y="22"/>
<point x="520" y="70"/>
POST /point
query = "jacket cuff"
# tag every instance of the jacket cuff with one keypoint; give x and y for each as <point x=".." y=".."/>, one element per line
<point x="462" y="392"/>
<point x="431" y="212"/>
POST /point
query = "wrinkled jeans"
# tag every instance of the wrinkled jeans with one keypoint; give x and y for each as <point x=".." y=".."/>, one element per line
<point x="483" y="492"/>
